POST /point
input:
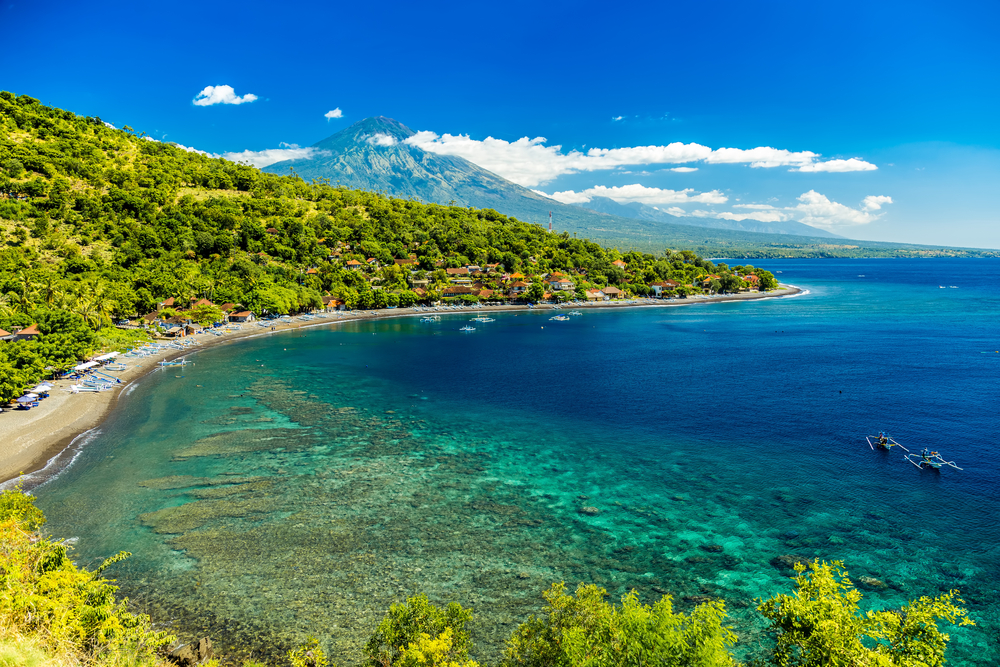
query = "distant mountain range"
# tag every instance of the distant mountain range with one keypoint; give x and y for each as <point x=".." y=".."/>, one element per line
<point x="372" y="155"/>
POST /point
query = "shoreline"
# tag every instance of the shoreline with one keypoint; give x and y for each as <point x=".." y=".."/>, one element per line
<point x="37" y="438"/>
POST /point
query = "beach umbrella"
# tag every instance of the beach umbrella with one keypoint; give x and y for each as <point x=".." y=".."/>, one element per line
<point x="25" y="399"/>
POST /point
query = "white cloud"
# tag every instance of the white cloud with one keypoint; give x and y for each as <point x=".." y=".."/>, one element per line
<point x="617" y="118"/>
<point x="109" y="125"/>
<point x="874" y="203"/>
<point x="334" y="113"/>
<point x="192" y="150"/>
<point x="381" y="139"/>
<point x="819" y="211"/>
<point x="261" y="159"/>
<point x="684" y="170"/>
<point x="813" y="209"/>
<point x="529" y="162"/>
<point x="221" y="95"/>
<point x="853" y="164"/>
<point x="638" y="193"/>
<point x="762" y="156"/>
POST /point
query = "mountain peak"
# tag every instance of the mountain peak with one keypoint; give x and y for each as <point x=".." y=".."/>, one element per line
<point x="374" y="131"/>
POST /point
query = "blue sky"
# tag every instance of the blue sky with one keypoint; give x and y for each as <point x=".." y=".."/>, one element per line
<point x="911" y="91"/>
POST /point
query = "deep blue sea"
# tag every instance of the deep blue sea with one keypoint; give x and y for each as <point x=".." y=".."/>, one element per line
<point x="300" y="483"/>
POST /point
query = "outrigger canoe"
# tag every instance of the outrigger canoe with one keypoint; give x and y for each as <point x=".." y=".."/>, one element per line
<point x="883" y="442"/>
<point x="928" y="459"/>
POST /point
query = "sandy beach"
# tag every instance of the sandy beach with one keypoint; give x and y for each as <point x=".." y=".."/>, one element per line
<point x="30" y="438"/>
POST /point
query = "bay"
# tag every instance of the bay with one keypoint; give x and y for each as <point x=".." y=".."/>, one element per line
<point x="298" y="484"/>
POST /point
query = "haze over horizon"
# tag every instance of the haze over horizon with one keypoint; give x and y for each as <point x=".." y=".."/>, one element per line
<point x="869" y="122"/>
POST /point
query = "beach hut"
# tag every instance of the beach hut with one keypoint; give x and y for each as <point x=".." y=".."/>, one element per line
<point x="243" y="316"/>
<point x="612" y="292"/>
<point x="595" y="295"/>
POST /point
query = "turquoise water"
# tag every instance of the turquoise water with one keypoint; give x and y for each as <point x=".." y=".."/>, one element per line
<point x="300" y="483"/>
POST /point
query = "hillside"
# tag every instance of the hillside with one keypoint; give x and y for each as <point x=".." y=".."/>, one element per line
<point x="99" y="224"/>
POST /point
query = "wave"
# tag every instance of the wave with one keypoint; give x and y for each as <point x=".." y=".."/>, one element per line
<point x="55" y="465"/>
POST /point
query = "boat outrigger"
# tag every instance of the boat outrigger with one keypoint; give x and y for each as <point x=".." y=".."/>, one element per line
<point x="882" y="441"/>
<point x="929" y="459"/>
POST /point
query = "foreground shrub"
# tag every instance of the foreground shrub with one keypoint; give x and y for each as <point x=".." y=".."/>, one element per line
<point x="43" y="594"/>
<point x="820" y="624"/>
<point x="586" y="630"/>
<point x="419" y="633"/>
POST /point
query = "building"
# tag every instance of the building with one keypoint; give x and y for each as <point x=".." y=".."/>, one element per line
<point x="664" y="286"/>
<point x="620" y="264"/>
<point x="244" y="316"/>
<point x="354" y="265"/>
<point x="557" y="282"/>
<point x="612" y="292"/>
<point x="27" y="333"/>
<point x="596" y="295"/>
<point x="519" y="287"/>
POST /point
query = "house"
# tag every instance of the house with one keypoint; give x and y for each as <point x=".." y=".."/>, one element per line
<point x="227" y="307"/>
<point x="272" y="231"/>
<point x="354" y="265"/>
<point x="457" y="290"/>
<point x="460" y="271"/>
<point x="420" y="292"/>
<point x="244" y="316"/>
<point x="201" y="302"/>
<point x="373" y="262"/>
<point x="557" y="282"/>
<point x="175" y="332"/>
<point x="519" y="287"/>
<point x="612" y="292"/>
<point x="405" y="262"/>
<point x="473" y="268"/>
<point x="27" y="333"/>
<point x="311" y="272"/>
<point x="664" y="286"/>
<point x="620" y="264"/>
<point x="167" y="303"/>
<point x="192" y="328"/>
<point x="753" y="280"/>
<point x="596" y="295"/>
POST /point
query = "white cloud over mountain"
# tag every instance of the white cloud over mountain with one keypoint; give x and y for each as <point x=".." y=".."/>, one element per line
<point x="529" y="162"/>
<point x="221" y="95"/>
<point x="813" y="209"/>
<point x="381" y="139"/>
<point x="261" y="159"/>
<point x="638" y="193"/>
<point x="334" y="113"/>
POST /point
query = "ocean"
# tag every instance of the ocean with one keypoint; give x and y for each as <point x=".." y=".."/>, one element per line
<point x="298" y="484"/>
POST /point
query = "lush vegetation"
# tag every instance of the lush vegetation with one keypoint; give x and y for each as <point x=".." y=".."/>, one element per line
<point x="55" y="613"/>
<point x="99" y="225"/>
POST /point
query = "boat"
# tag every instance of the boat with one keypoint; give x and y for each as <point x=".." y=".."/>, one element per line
<point x="482" y="318"/>
<point x="179" y="362"/>
<point x="467" y="328"/>
<point x="953" y="286"/>
<point x="929" y="459"/>
<point x="430" y="318"/>
<point x="882" y="441"/>
<point x="560" y="318"/>
<point x="575" y="312"/>
<point x="940" y="286"/>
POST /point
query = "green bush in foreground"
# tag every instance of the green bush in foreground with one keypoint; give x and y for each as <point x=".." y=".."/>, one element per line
<point x="586" y="630"/>
<point x="820" y="624"/>
<point x="419" y="633"/>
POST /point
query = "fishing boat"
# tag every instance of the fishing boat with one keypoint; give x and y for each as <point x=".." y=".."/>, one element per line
<point x="482" y="318"/>
<point x="430" y="318"/>
<point x="575" y="312"/>
<point x="882" y="441"/>
<point x="560" y="318"/>
<point x="179" y="362"/>
<point x="929" y="459"/>
<point x="467" y="328"/>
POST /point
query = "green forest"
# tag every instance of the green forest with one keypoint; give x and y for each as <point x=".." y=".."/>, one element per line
<point x="99" y="224"/>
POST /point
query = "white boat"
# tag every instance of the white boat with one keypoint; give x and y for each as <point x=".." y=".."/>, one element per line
<point x="560" y="318"/>
<point x="467" y="328"/>
<point x="179" y="362"/>
<point x="482" y="318"/>
<point x="575" y="312"/>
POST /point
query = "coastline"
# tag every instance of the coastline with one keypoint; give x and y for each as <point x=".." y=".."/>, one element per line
<point x="31" y="439"/>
